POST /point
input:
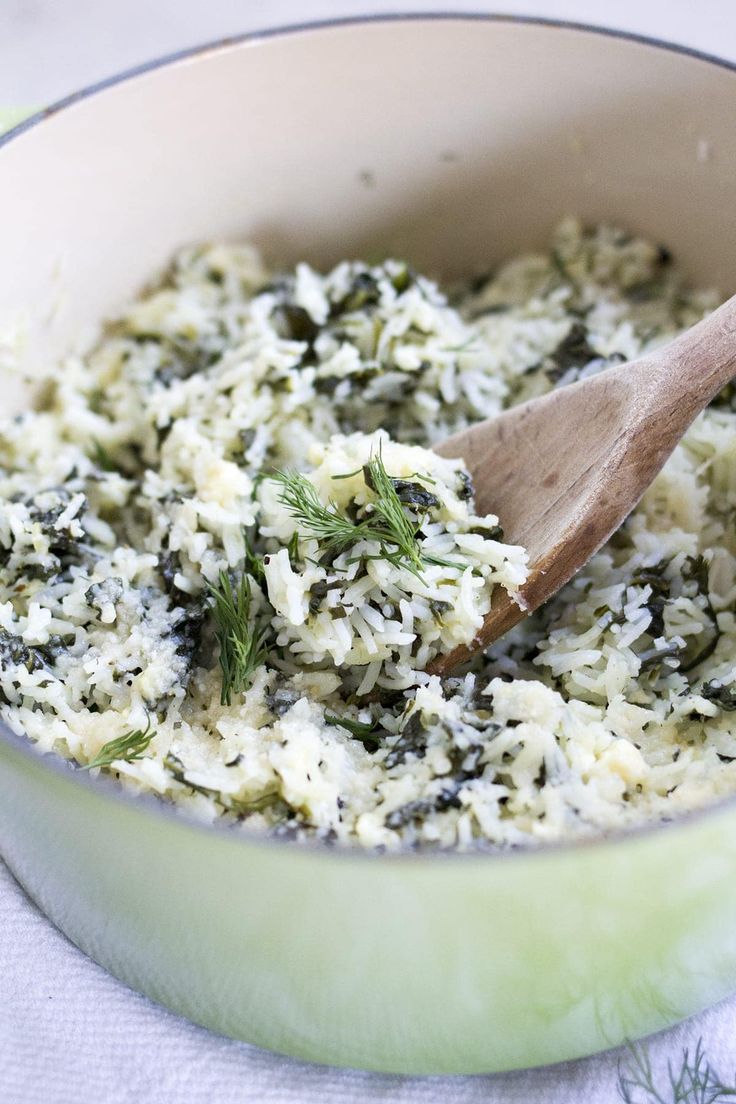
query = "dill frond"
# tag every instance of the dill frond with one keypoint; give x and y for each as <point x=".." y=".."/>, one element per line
<point x="292" y="548"/>
<point x="128" y="747"/>
<point x="253" y="563"/>
<point x="692" y="1081"/>
<point x="241" y="641"/>
<point x="385" y="522"/>
<point x="395" y="527"/>
<point x="326" y="524"/>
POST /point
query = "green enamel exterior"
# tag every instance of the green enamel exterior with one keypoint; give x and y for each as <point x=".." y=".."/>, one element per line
<point x="11" y="116"/>
<point x="414" y="964"/>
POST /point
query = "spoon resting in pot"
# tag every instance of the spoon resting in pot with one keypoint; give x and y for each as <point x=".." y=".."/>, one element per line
<point x="563" y="471"/>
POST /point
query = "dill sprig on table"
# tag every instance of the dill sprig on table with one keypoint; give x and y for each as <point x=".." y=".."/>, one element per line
<point x="128" y="747"/>
<point x="693" y="1081"/>
<point x="241" y="640"/>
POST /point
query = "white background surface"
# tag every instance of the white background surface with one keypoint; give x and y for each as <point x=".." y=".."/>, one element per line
<point x="51" y="47"/>
<point x="68" y="1031"/>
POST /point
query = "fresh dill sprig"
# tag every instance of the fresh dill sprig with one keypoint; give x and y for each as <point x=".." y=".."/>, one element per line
<point x="128" y="747"/>
<point x="325" y="523"/>
<point x="335" y="532"/>
<point x="347" y="475"/>
<point x="397" y="529"/>
<point x="386" y="523"/>
<point x="359" y="729"/>
<point x="692" y="1081"/>
<point x="253" y="563"/>
<point x="395" y="526"/>
<point x="292" y="548"/>
<point x="241" y="641"/>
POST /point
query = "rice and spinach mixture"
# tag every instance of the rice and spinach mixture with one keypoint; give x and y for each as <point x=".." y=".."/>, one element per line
<point x="228" y="555"/>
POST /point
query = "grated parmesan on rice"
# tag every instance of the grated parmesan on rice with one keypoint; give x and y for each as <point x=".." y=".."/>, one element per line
<point x="156" y="471"/>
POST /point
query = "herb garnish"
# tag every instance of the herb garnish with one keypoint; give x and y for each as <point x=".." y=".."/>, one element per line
<point x="292" y="548"/>
<point x="253" y="563"/>
<point x="694" y="1082"/>
<point x="574" y="351"/>
<point x="697" y="570"/>
<point x="177" y="770"/>
<point x="326" y="524"/>
<point x="102" y="457"/>
<point x="243" y="807"/>
<point x="240" y="639"/>
<point x="359" y="729"/>
<point x="385" y="520"/>
<point x="128" y="747"/>
<point x="722" y="696"/>
<point x="395" y="526"/>
<point x="412" y="740"/>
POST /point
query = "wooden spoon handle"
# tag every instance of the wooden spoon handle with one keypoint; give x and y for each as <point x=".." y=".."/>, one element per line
<point x="563" y="471"/>
<point x="687" y="373"/>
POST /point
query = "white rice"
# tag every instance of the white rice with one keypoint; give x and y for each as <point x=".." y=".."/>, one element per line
<point x="130" y="492"/>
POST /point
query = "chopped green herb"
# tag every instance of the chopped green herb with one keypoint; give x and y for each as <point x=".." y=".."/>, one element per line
<point x="347" y="475"/>
<point x="697" y="570"/>
<point x="654" y="577"/>
<point x="403" y="279"/>
<point x="574" y="351"/>
<point x="359" y="729"/>
<point x="292" y="548"/>
<point x="415" y="495"/>
<point x="299" y="323"/>
<point x="253" y="563"/>
<point x="244" y="807"/>
<point x="723" y="696"/>
<point x="363" y="293"/>
<point x="128" y="747"/>
<point x="412" y="741"/>
<point x="414" y="812"/>
<point x="102" y="457"/>
<point x="645" y="290"/>
<point x="319" y="590"/>
<point x="653" y="657"/>
<point x="241" y="641"/>
<point x="439" y="608"/>
<point x="177" y="770"/>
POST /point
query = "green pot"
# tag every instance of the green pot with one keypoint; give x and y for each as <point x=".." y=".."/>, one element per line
<point x="320" y="143"/>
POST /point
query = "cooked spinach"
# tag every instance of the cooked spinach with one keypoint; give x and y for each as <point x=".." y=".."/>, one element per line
<point x="723" y="696"/>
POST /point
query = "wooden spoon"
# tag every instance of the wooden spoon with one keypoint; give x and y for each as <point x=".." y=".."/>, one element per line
<point x="563" y="471"/>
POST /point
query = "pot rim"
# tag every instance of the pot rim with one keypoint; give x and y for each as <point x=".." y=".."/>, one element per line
<point x="110" y="789"/>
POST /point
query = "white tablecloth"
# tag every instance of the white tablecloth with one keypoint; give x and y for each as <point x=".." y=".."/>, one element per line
<point x="68" y="1031"/>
